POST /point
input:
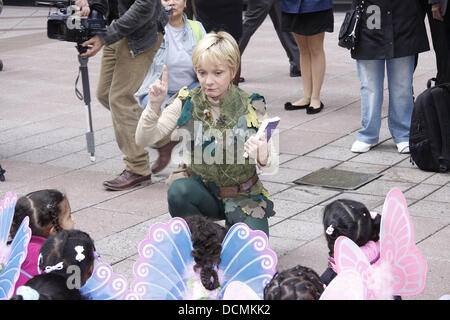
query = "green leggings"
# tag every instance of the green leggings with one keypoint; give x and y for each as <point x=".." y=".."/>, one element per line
<point x="187" y="196"/>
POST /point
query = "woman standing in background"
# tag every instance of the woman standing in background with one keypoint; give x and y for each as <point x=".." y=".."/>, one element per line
<point x="309" y="20"/>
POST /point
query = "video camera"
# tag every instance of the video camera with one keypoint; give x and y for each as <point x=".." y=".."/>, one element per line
<point x="66" y="26"/>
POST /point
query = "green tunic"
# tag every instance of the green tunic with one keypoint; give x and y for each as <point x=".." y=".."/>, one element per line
<point x="217" y="149"/>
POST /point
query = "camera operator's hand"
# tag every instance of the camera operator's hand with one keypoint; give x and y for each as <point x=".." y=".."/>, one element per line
<point x="84" y="8"/>
<point x="157" y="91"/>
<point x="94" y="45"/>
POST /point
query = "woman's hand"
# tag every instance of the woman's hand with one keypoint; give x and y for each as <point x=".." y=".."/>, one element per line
<point x="157" y="92"/>
<point x="257" y="149"/>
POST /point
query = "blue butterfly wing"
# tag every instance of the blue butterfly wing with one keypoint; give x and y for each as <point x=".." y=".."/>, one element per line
<point x="17" y="251"/>
<point x="7" y="206"/>
<point x="246" y="257"/>
<point x="164" y="256"/>
<point x="104" y="284"/>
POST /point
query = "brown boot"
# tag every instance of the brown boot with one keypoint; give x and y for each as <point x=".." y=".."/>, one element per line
<point x="165" y="153"/>
<point x="127" y="180"/>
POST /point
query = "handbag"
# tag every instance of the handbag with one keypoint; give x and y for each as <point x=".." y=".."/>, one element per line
<point x="349" y="32"/>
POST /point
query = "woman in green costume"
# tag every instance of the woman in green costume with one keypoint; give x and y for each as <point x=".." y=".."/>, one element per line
<point x="217" y="122"/>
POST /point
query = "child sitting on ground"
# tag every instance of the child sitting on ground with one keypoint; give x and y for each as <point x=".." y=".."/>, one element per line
<point x="297" y="283"/>
<point x="71" y="254"/>
<point x="345" y="217"/>
<point x="49" y="213"/>
<point x="207" y="237"/>
<point x="47" y="286"/>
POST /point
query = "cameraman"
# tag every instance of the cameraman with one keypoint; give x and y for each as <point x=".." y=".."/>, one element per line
<point x="130" y="44"/>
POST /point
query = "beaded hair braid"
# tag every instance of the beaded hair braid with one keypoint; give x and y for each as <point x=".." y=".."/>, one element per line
<point x="297" y="283"/>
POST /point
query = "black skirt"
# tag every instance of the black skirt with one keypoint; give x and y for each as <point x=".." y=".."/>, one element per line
<point x="308" y="24"/>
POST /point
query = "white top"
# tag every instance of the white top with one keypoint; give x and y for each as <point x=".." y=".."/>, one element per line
<point x="179" y="63"/>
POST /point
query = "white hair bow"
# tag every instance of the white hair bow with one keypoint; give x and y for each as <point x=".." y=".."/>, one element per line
<point x="330" y="230"/>
<point x="80" y="256"/>
<point x="58" y="266"/>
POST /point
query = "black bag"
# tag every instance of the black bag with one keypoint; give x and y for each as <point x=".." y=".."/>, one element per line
<point x="349" y="32"/>
<point x="429" y="136"/>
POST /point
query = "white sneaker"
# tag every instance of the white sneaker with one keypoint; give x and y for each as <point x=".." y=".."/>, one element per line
<point x="361" y="147"/>
<point x="403" y="147"/>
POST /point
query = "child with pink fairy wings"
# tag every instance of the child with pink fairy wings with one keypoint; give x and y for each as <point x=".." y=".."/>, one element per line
<point x="372" y="256"/>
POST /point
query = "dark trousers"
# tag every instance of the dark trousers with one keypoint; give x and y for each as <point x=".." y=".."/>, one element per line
<point x="447" y="25"/>
<point x="441" y="45"/>
<point x="187" y="196"/>
<point x="257" y="11"/>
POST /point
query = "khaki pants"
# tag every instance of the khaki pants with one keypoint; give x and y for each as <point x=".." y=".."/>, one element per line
<point x="120" y="77"/>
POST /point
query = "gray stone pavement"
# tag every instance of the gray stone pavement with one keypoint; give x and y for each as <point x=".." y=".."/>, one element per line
<point x="42" y="145"/>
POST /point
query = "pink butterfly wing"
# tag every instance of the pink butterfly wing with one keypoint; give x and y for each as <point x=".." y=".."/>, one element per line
<point x="347" y="285"/>
<point x="349" y="257"/>
<point x="397" y="246"/>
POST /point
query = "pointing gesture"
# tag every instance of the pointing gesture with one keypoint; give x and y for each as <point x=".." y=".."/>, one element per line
<point x="157" y="91"/>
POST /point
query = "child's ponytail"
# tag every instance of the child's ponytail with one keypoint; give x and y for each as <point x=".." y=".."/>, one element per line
<point x="206" y="239"/>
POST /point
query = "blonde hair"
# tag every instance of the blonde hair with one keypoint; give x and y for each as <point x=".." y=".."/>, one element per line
<point x="217" y="48"/>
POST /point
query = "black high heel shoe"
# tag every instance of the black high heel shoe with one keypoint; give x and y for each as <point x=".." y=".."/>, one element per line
<point x="311" y="110"/>
<point x="289" y="106"/>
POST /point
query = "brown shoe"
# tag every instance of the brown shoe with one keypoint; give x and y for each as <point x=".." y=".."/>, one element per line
<point x="127" y="180"/>
<point x="165" y="153"/>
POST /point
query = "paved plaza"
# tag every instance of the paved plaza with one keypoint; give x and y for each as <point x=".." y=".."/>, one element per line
<point x="43" y="145"/>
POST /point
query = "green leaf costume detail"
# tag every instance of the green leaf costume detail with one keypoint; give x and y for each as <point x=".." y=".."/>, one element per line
<point x="237" y="115"/>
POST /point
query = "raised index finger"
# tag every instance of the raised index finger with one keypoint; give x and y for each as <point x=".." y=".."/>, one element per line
<point x="164" y="76"/>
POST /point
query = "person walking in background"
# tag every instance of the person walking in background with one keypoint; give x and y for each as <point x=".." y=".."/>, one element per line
<point x="435" y="11"/>
<point x="181" y="36"/>
<point x="221" y="15"/>
<point x="256" y="13"/>
<point x="391" y="33"/>
<point x="441" y="12"/>
<point x="130" y="44"/>
<point x="309" y="20"/>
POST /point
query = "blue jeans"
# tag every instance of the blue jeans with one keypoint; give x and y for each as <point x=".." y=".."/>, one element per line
<point x="401" y="102"/>
<point x="143" y="101"/>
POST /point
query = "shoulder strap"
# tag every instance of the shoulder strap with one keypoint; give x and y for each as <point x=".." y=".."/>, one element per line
<point x="196" y="29"/>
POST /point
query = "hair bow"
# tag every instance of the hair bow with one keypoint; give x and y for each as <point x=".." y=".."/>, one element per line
<point x="58" y="266"/>
<point x="80" y="256"/>
<point x="330" y="230"/>
<point x="27" y="293"/>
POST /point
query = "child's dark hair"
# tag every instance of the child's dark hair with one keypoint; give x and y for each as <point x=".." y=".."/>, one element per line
<point x="207" y="237"/>
<point x="297" y="283"/>
<point x="345" y="217"/>
<point x="42" y="207"/>
<point x="68" y="248"/>
<point x="48" y="286"/>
